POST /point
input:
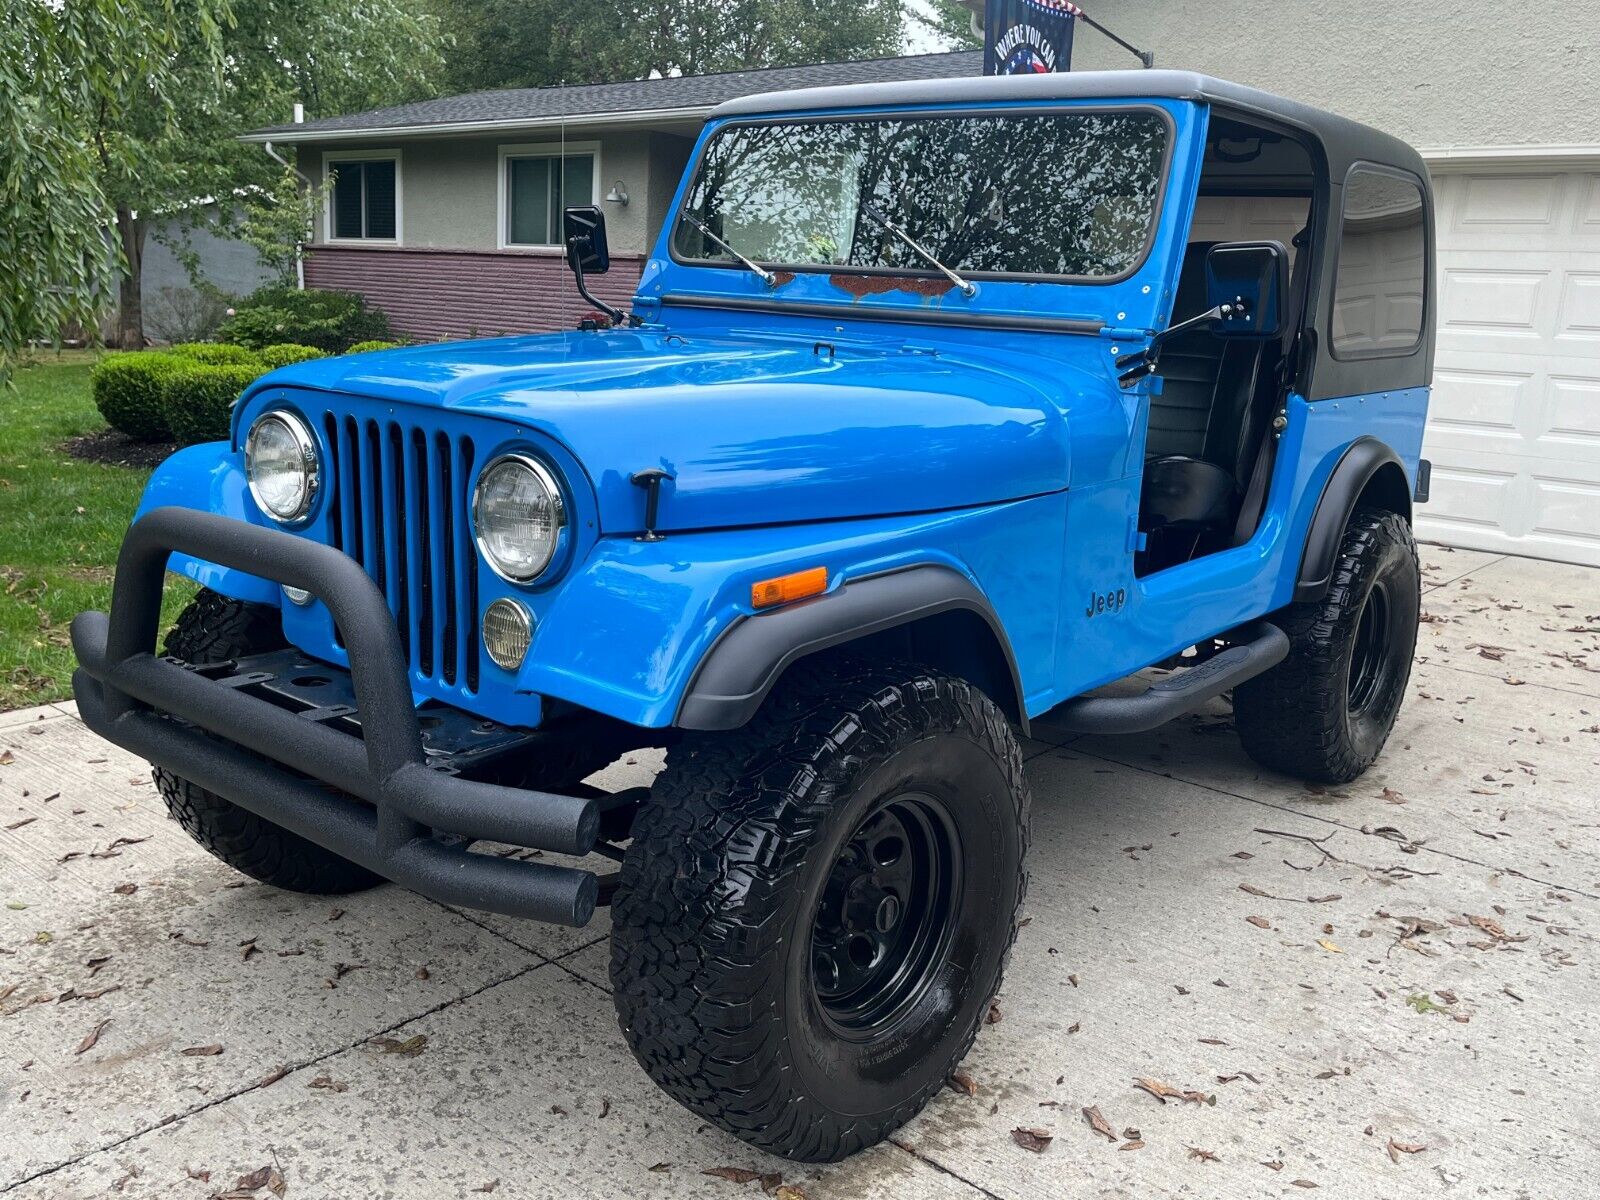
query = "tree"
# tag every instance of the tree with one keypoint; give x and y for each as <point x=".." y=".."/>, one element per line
<point x="66" y="65"/>
<point x="114" y="111"/>
<point x="949" y="22"/>
<point x="334" y="56"/>
<point x="538" y="43"/>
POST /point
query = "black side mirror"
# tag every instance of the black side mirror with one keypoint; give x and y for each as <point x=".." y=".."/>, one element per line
<point x="1249" y="282"/>
<point x="583" y="229"/>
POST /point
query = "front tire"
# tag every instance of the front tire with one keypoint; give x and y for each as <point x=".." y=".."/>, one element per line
<point x="816" y="909"/>
<point x="214" y="629"/>
<point x="1325" y="712"/>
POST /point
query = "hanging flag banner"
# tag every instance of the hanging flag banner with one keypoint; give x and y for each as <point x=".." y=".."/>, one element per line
<point x="1023" y="37"/>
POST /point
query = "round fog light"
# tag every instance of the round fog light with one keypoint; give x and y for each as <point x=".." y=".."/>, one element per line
<point x="507" y="633"/>
<point x="298" y="595"/>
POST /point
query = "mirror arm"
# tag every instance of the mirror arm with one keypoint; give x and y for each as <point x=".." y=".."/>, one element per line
<point x="1136" y="366"/>
<point x="575" y="261"/>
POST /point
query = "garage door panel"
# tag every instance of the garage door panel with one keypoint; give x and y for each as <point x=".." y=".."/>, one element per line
<point x="1483" y="501"/>
<point x="1579" y="318"/>
<point x="1498" y="303"/>
<point x="1514" y="423"/>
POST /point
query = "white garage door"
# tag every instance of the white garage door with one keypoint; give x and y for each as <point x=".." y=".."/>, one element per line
<point x="1514" y="426"/>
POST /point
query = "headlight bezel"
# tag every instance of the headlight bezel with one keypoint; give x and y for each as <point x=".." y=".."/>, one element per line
<point x="310" y="458"/>
<point x="550" y="481"/>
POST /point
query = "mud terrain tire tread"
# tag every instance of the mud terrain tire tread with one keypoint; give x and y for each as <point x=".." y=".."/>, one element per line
<point x="732" y="815"/>
<point x="1294" y="718"/>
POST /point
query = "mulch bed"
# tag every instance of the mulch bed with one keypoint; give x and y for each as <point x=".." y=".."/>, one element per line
<point x="118" y="449"/>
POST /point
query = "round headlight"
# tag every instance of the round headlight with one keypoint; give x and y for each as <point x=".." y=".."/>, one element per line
<point x="281" y="464"/>
<point x="517" y="515"/>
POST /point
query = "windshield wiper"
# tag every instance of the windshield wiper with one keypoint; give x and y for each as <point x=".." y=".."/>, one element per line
<point x="968" y="289"/>
<point x="767" y="277"/>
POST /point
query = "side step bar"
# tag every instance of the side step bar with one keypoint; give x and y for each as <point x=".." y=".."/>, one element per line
<point x="1181" y="692"/>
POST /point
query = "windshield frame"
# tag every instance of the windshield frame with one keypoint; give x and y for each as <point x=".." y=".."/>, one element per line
<point x="1152" y="229"/>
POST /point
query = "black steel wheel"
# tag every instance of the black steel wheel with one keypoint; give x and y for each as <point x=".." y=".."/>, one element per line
<point x="816" y="909"/>
<point x="884" y="922"/>
<point x="1325" y="712"/>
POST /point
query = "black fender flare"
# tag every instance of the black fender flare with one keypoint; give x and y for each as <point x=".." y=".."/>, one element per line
<point x="1362" y="461"/>
<point x="743" y="664"/>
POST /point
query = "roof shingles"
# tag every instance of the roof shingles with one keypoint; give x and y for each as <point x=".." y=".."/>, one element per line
<point x="642" y="95"/>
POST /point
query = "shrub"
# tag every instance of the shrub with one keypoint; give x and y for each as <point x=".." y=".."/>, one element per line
<point x="363" y="347"/>
<point x="128" y="390"/>
<point x="197" y="398"/>
<point x="330" y="321"/>
<point x="284" y="353"/>
<point x="217" y="354"/>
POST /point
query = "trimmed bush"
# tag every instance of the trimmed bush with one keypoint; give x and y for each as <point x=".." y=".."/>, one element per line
<point x="284" y="353"/>
<point x="330" y="321"/>
<point x="363" y="347"/>
<point x="197" y="398"/>
<point x="128" y="390"/>
<point x="217" y="354"/>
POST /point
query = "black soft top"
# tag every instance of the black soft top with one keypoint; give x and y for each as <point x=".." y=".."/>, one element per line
<point x="1343" y="141"/>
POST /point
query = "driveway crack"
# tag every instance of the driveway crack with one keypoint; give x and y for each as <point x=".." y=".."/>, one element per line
<point x="291" y="1068"/>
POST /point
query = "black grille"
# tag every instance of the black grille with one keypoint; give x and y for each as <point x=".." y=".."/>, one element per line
<point x="399" y="508"/>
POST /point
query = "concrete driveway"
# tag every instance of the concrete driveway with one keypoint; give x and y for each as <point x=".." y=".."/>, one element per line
<point x="1383" y="990"/>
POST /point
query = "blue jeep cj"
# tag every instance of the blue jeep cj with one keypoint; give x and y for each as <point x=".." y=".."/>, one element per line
<point x="940" y="406"/>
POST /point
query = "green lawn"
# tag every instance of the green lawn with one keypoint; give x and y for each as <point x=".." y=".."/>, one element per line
<point x="61" y="523"/>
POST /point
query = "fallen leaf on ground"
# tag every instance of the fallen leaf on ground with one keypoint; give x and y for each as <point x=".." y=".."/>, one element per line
<point x="126" y="889"/>
<point x="790" y="1192"/>
<point x="1259" y="922"/>
<point x="1329" y="946"/>
<point x="203" y="1051"/>
<point x="1396" y="1149"/>
<point x="1202" y="1155"/>
<point x="994" y="1015"/>
<point x="1036" y="1140"/>
<point x="1301" y="1183"/>
<point x="488" y="1187"/>
<point x="92" y="1037"/>
<point x="733" y="1174"/>
<point x="1098" y="1123"/>
<point x="960" y="1081"/>
<point x="329" y="1083"/>
<point x="409" y="1048"/>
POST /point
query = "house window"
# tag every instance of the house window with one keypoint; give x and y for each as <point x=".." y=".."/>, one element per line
<point x="365" y="200"/>
<point x="1380" y="282"/>
<point x="537" y="186"/>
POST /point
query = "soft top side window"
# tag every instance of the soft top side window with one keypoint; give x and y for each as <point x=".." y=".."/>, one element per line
<point x="1380" y="280"/>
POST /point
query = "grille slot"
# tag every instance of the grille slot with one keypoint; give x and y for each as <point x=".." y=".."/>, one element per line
<point x="399" y="508"/>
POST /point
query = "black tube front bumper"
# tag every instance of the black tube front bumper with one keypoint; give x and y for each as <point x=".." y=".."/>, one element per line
<point x="388" y="804"/>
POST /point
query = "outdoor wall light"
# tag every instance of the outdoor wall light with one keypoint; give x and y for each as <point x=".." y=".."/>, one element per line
<point x="618" y="194"/>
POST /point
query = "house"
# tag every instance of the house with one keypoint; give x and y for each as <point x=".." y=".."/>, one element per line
<point x="444" y="214"/>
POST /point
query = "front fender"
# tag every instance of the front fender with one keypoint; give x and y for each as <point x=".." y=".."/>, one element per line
<point x="635" y="622"/>
<point x="209" y="477"/>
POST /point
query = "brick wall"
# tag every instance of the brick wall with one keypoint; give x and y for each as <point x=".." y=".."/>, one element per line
<point x="431" y="294"/>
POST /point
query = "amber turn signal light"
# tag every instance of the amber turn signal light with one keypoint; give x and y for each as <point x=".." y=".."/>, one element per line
<point x="785" y="588"/>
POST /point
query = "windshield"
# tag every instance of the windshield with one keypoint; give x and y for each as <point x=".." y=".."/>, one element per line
<point x="1053" y="194"/>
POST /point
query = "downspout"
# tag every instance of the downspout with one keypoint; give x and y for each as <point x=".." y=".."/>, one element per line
<point x="299" y="249"/>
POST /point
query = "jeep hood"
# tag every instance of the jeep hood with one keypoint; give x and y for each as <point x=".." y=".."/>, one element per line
<point x="753" y="429"/>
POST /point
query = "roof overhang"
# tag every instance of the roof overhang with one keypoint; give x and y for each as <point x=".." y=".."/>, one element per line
<point x="291" y="134"/>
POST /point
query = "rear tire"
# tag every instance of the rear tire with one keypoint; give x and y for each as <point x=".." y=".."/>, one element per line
<point x="816" y="909"/>
<point x="1325" y="712"/>
<point x="213" y="629"/>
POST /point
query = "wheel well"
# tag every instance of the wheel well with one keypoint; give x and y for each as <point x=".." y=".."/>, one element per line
<point x="958" y="642"/>
<point x="1387" y="490"/>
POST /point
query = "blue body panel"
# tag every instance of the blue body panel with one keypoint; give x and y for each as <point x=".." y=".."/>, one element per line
<point x="1008" y="454"/>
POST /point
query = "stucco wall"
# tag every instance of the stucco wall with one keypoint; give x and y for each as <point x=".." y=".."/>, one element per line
<point x="1436" y="74"/>
<point x="449" y="187"/>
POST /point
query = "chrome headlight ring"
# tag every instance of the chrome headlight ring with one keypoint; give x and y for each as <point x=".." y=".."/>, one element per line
<point x="499" y="483"/>
<point x="280" y="441"/>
